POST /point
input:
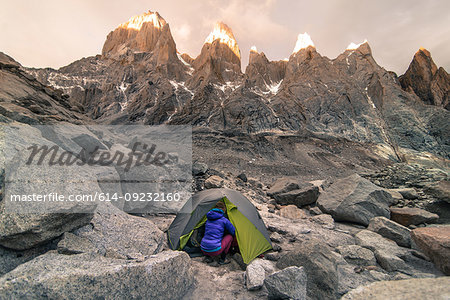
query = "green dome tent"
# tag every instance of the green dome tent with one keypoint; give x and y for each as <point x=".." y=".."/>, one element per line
<point x="251" y="233"/>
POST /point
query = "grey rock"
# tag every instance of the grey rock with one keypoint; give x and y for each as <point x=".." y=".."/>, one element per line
<point x="391" y="230"/>
<point x="21" y="232"/>
<point x="276" y="247"/>
<point x="395" y="195"/>
<point x="10" y="259"/>
<point x="73" y="244"/>
<point x="240" y="261"/>
<point x="320" y="265"/>
<point x="400" y="276"/>
<point x="272" y="256"/>
<point x="380" y="276"/>
<point x="291" y="212"/>
<point x="325" y="220"/>
<point x="289" y="283"/>
<point x="350" y="279"/>
<point x="373" y="241"/>
<point x="355" y="199"/>
<point x="315" y="211"/>
<point x="408" y="193"/>
<point x="440" y="190"/>
<point x="407" y="216"/>
<point x="414" y="289"/>
<point x="283" y="185"/>
<point x="243" y="177"/>
<point x="254" y="276"/>
<point x="289" y="191"/>
<point x="276" y="237"/>
<point x="167" y="275"/>
<point x="214" y="182"/>
<point x="199" y="168"/>
<point x="389" y="262"/>
<point x="355" y="254"/>
<point x="111" y="228"/>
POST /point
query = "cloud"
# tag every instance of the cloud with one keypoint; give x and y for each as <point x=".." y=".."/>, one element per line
<point x="60" y="32"/>
<point x="182" y="33"/>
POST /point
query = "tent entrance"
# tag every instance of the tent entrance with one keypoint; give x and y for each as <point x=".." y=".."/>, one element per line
<point x="250" y="240"/>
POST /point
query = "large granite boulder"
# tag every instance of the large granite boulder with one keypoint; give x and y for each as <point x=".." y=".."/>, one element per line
<point x="25" y="231"/>
<point x="290" y="191"/>
<point x="167" y="275"/>
<point x="320" y="265"/>
<point x="254" y="276"/>
<point x="411" y="289"/>
<point x="355" y="199"/>
<point x="116" y="233"/>
<point x="255" y="273"/>
<point x="435" y="243"/>
<point x="289" y="283"/>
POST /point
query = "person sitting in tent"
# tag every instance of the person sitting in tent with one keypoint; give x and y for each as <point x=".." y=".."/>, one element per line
<point x="214" y="242"/>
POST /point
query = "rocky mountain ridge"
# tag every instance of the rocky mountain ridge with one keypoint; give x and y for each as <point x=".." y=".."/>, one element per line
<point x="141" y="78"/>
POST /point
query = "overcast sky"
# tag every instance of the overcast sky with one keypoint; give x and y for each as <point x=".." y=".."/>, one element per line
<point x="54" y="33"/>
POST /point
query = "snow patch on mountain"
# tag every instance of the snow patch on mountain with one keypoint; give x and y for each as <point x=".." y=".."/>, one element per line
<point x="138" y="21"/>
<point x="354" y="46"/>
<point x="225" y="36"/>
<point x="303" y="42"/>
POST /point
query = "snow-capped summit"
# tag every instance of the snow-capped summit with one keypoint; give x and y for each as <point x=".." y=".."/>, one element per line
<point x="138" y="21"/>
<point x="354" y="46"/>
<point x="253" y="48"/>
<point x="149" y="33"/>
<point x="224" y="34"/>
<point x="303" y="42"/>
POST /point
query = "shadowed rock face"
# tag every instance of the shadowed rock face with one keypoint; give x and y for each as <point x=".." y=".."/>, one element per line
<point x="26" y="100"/>
<point x="264" y="74"/>
<point x="423" y="78"/>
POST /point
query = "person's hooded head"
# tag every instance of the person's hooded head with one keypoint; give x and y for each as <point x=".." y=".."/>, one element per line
<point x="221" y="205"/>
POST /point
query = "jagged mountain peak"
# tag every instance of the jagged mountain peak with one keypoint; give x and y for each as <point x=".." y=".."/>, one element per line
<point x="224" y="34"/>
<point x="423" y="51"/>
<point x="303" y="41"/>
<point x="423" y="59"/>
<point x="140" y="33"/>
<point x="354" y="46"/>
<point x="136" y="22"/>
<point x="253" y="49"/>
<point x="424" y="79"/>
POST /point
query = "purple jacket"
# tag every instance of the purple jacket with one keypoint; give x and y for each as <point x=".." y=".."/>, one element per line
<point x="215" y="227"/>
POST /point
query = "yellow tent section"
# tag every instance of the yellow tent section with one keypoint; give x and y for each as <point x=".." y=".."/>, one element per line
<point x="250" y="239"/>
